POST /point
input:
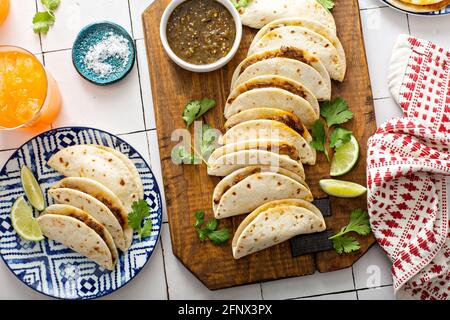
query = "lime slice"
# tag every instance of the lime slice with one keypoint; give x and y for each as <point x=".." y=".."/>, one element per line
<point x="342" y="189"/>
<point x="23" y="221"/>
<point x="345" y="158"/>
<point x="32" y="189"/>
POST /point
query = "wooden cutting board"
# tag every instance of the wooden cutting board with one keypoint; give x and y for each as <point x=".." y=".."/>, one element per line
<point x="189" y="188"/>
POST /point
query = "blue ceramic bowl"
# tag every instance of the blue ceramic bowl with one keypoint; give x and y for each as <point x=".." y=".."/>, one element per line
<point x="93" y="34"/>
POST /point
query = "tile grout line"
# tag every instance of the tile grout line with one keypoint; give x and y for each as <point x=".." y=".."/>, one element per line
<point x="131" y="19"/>
<point x="160" y="236"/>
<point x="372" y="8"/>
<point x="261" y="289"/>
<point x="322" y="294"/>
<point x="140" y="85"/>
<point x="40" y="37"/>
<point x="407" y="21"/>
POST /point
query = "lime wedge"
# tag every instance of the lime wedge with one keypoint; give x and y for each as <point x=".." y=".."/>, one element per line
<point x="32" y="189"/>
<point x="345" y="158"/>
<point x="342" y="189"/>
<point x="23" y="221"/>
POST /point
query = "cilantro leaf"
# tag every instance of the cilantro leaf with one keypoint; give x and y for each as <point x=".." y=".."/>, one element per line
<point x="328" y="4"/>
<point x="146" y="231"/>
<point x="319" y="137"/>
<point x="212" y="225"/>
<point x="140" y="211"/>
<point x="345" y="244"/>
<point x="51" y="5"/>
<point x="359" y="222"/>
<point x="42" y="21"/>
<point x="240" y="3"/>
<point x="339" y="136"/>
<point x="219" y="236"/>
<point x="202" y="234"/>
<point x="216" y="236"/>
<point x="209" y="139"/>
<point x="336" y="112"/>
<point x="194" y="109"/>
<point x="190" y="111"/>
<point x="205" y="105"/>
<point x="181" y="155"/>
<point x="199" y="219"/>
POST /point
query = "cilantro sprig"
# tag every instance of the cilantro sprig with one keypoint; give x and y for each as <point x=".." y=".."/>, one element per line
<point x="359" y="223"/>
<point x="328" y="4"/>
<point x="140" y="211"/>
<point x="240" y="3"/>
<point x="209" y="138"/>
<point x="43" y="20"/>
<point x="210" y="231"/>
<point x="194" y="109"/>
<point x="334" y="112"/>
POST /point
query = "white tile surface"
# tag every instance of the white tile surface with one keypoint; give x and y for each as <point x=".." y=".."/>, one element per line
<point x="373" y="269"/>
<point x="155" y="164"/>
<point x="72" y="15"/>
<point x="383" y="293"/>
<point x="318" y="283"/>
<point x="146" y="89"/>
<point x="14" y="139"/>
<point x="137" y="7"/>
<point x="17" y="30"/>
<point x="337" y="296"/>
<point x="150" y="283"/>
<point x="366" y="4"/>
<point x="4" y="156"/>
<point x="116" y="108"/>
<point x="183" y="285"/>
<point x="436" y="30"/>
<point x="381" y="28"/>
<point x="385" y="109"/>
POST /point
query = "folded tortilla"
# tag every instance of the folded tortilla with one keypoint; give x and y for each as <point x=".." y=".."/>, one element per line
<point x="319" y="83"/>
<point x="246" y="189"/>
<point x="273" y="145"/>
<point x="288" y="85"/>
<point x="100" y="165"/>
<point x="274" y="223"/>
<point x="95" y="208"/>
<point x="260" y="12"/>
<point x="103" y="195"/>
<point x="273" y="98"/>
<point x="79" y="231"/>
<point x="131" y="167"/>
<point x="288" y="68"/>
<point x="272" y="130"/>
<point x="305" y="39"/>
<point x="315" y="26"/>
<point x="233" y="161"/>
<point x="287" y="118"/>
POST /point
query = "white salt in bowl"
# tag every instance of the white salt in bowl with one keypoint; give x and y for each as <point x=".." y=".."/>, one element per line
<point x="103" y="53"/>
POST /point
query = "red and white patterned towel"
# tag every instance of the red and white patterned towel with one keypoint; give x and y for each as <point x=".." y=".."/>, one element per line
<point x="408" y="168"/>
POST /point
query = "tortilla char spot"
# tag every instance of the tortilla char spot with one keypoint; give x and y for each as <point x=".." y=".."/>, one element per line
<point x="312" y="227"/>
<point x="58" y="196"/>
<point x="265" y="199"/>
<point x="78" y="225"/>
<point x="279" y="183"/>
<point x="249" y="186"/>
<point x="301" y="216"/>
<point x="84" y="152"/>
<point x="256" y="239"/>
<point x="327" y="45"/>
<point x="266" y="218"/>
<point x="110" y="160"/>
<point x="61" y="160"/>
<point x="298" y="191"/>
<point x="122" y="182"/>
<point x="234" y="193"/>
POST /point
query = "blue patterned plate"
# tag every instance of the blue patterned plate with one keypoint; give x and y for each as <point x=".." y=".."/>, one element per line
<point x="441" y="12"/>
<point x="49" y="267"/>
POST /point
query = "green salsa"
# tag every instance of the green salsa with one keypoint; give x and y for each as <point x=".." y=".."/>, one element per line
<point x="201" y="31"/>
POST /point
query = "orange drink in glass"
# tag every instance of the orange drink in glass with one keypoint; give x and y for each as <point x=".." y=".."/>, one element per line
<point x="4" y="10"/>
<point x="29" y="96"/>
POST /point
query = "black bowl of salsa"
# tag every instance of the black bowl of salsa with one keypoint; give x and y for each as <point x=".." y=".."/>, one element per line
<point x="201" y="35"/>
